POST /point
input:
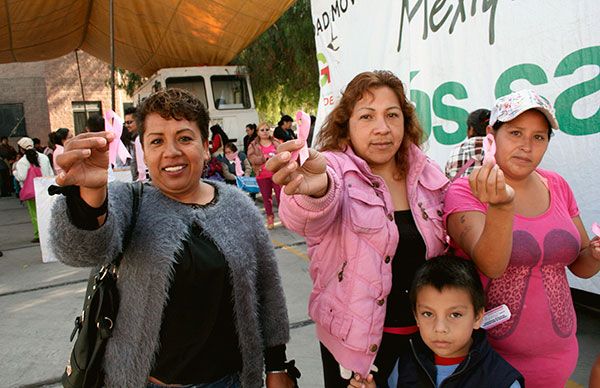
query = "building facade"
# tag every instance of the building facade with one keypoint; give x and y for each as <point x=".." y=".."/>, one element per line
<point x="39" y="97"/>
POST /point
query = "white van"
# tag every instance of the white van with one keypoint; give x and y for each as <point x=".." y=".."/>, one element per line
<point x="224" y="90"/>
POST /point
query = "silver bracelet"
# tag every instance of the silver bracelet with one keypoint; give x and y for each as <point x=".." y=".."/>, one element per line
<point x="277" y="371"/>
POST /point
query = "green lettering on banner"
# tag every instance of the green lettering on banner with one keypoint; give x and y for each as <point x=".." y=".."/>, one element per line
<point x="564" y="102"/>
<point x="423" y="107"/>
<point x="527" y="71"/>
<point x="451" y="113"/>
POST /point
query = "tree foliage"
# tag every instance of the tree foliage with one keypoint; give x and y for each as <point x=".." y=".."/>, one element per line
<point x="283" y="66"/>
<point x="128" y="81"/>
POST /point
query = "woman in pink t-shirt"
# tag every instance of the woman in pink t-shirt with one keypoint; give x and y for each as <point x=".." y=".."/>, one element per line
<point x="521" y="227"/>
<point x="260" y="150"/>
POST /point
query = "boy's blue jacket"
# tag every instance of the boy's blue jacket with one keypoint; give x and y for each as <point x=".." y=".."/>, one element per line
<point x="483" y="367"/>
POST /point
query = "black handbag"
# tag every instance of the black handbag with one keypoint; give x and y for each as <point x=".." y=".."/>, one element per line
<point x="95" y="324"/>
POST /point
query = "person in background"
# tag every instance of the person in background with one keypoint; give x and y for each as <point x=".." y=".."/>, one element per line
<point x="260" y="151"/>
<point x="31" y="158"/>
<point x="284" y="131"/>
<point x="218" y="139"/>
<point x="59" y="138"/>
<point x="8" y="156"/>
<point x="199" y="306"/>
<point x="37" y="144"/>
<point x="521" y="226"/>
<point x="370" y="208"/>
<point x="470" y="149"/>
<point x="128" y="138"/>
<point x="448" y="302"/>
<point x="49" y="150"/>
<point x="250" y="136"/>
<point x="235" y="163"/>
<point x="94" y="123"/>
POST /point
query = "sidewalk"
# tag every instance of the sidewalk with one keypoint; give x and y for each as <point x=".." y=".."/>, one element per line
<point x="38" y="303"/>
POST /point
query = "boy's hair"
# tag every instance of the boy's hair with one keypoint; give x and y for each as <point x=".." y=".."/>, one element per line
<point x="479" y="120"/>
<point x="449" y="271"/>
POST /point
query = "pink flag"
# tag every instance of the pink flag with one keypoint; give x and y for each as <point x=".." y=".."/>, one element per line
<point x="303" y="121"/>
<point x="113" y="123"/>
<point x="596" y="229"/>
<point x="489" y="149"/>
<point x="139" y="160"/>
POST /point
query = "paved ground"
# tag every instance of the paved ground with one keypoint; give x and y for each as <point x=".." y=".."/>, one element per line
<point x="39" y="301"/>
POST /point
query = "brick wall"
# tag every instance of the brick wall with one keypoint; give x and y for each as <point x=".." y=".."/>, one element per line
<point x="48" y="88"/>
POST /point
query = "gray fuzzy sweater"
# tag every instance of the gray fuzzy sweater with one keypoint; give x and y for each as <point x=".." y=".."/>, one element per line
<point x="145" y="273"/>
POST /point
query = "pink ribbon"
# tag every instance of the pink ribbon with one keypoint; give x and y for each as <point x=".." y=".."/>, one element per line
<point x="489" y="149"/>
<point x="113" y="123"/>
<point x="596" y="229"/>
<point x="139" y="159"/>
<point x="303" y="121"/>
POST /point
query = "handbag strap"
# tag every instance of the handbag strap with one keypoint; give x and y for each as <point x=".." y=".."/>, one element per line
<point x="137" y="190"/>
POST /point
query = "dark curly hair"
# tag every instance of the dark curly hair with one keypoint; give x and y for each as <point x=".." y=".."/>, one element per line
<point x="175" y="104"/>
<point x="335" y="132"/>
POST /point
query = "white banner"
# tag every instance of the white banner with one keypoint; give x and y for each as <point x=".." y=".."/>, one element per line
<point x="456" y="56"/>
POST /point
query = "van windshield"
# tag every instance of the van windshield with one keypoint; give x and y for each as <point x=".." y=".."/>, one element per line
<point x="194" y="85"/>
<point x="230" y="92"/>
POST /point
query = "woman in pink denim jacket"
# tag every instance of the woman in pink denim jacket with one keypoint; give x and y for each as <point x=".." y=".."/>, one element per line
<point x="370" y="207"/>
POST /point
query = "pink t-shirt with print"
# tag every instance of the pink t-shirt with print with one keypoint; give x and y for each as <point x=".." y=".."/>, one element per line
<point x="539" y="339"/>
<point x="268" y="152"/>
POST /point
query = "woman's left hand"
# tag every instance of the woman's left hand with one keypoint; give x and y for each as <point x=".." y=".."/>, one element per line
<point x="279" y="380"/>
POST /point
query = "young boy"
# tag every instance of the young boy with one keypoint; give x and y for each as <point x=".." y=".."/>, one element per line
<point x="448" y="302"/>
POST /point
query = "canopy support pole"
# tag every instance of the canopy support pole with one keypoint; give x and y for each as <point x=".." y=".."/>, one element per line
<point x="111" y="17"/>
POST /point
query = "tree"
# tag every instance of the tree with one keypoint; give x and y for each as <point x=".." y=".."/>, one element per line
<point x="283" y="66"/>
<point x="126" y="80"/>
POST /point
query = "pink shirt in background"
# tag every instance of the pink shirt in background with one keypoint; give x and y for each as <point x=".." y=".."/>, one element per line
<point x="58" y="150"/>
<point x="268" y="152"/>
<point x="539" y="339"/>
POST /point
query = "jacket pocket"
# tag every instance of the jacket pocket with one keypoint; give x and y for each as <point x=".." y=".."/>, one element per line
<point x="367" y="211"/>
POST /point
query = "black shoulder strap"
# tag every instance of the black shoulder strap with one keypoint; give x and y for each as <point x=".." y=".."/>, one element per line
<point x="137" y="190"/>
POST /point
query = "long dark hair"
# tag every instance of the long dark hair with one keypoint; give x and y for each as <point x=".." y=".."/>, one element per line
<point x="32" y="157"/>
<point x="217" y="130"/>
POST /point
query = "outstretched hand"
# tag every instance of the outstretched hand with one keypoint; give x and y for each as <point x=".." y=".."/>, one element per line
<point x="489" y="185"/>
<point x="85" y="160"/>
<point x="308" y="179"/>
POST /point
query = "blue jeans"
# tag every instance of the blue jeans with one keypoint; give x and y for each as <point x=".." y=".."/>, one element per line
<point x="230" y="381"/>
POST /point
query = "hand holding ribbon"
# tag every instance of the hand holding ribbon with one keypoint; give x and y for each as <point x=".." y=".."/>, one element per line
<point x="303" y="121"/>
<point x="113" y="123"/>
<point x="489" y="149"/>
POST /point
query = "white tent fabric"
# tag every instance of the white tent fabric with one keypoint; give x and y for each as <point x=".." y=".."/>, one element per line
<point x="149" y="35"/>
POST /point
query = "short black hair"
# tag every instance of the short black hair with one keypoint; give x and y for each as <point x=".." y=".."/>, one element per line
<point x="449" y="271"/>
<point x="60" y="135"/>
<point x="132" y="110"/>
<point x="173" y="104"/>
<point x="479" y="120"/>
<point x="286" y="118"/>
<point x="36" y="141"/>
<point x="95" y="123"/>
<point x="231" y="145"/>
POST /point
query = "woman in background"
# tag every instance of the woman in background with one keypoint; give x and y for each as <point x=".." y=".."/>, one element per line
<point x="260" y="150"/>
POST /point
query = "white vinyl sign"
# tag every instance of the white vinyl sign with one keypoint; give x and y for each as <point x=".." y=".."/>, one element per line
<point x="455" y="56"/>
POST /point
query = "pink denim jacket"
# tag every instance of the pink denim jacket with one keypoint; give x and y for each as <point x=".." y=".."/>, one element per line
<point x="352" y="238"/>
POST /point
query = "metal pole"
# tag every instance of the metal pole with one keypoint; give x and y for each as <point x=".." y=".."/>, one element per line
<point x="111" y="16"/>
<point x="81" y="84"/>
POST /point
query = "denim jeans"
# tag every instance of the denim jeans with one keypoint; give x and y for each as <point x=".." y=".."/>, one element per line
<point x="230" y="381"/>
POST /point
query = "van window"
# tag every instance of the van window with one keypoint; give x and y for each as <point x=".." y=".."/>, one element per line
<point x="230" y="92"/>
<point x="194" y="85"/>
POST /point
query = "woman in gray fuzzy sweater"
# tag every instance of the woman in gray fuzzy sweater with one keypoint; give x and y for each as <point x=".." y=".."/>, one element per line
<point x="201" y="304"/>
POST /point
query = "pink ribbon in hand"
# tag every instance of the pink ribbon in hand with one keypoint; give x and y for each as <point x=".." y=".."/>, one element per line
<point x="303" y="121"/>
<point x="139" y="159"/>
<point x="113" y="123"/>
<point x="489" y="149"/>
<point x="596" y="229"/>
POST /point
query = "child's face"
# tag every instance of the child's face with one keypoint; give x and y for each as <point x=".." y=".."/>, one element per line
<point x="446" y="320"/>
